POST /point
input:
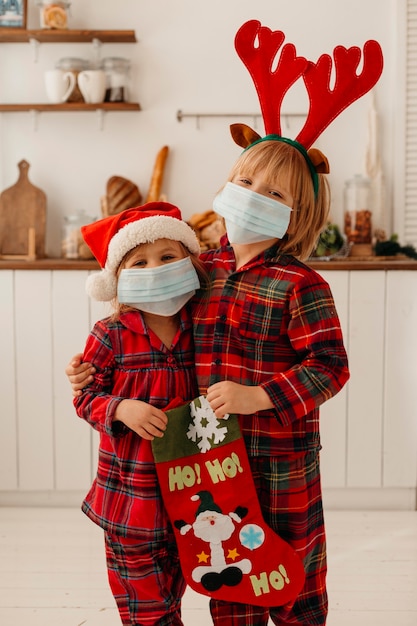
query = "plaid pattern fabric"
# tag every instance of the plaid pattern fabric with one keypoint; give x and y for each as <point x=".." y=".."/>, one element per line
<point x="131" y="362"/>
<point x="290" y="496"/>
<point x="146" y="580"/>
<point x="272" y="323"/>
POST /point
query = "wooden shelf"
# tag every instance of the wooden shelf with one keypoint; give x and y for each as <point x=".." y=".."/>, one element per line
<point x="46" y="35"/>
<point x="19" y="35"/>
<point x="71" y="106"/>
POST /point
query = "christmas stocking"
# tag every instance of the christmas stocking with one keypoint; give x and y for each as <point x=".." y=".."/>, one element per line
<point x="226" y="549"/>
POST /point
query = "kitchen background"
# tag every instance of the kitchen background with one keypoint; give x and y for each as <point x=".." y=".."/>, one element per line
<point x="185" y="60"/>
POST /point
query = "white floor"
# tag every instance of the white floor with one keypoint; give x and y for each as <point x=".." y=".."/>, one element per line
<point x="52" y="570"/>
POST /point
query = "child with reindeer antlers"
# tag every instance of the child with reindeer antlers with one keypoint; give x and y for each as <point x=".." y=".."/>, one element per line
<point x="268" y="343"/>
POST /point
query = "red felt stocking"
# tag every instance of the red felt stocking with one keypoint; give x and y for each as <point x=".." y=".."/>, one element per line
<point x="226" y="549"/>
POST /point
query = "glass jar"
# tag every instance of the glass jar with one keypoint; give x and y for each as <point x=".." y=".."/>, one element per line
<point x="117" y="73"/>
<point x="74" y="65"/>
<point x="53" y="14"/>
<point x="358" y="217"/>
<point x="73" y="245"/>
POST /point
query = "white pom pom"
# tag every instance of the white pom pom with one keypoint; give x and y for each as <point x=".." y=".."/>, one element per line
<point x="102" y="286"/>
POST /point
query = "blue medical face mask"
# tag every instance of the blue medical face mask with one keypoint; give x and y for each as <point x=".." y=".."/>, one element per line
<point x="251" y="217"/>
<point x="162" y="290"/>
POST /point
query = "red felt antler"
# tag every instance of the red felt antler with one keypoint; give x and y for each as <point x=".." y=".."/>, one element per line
<point x="325" y="103"/>
<point x="271" y="85"/>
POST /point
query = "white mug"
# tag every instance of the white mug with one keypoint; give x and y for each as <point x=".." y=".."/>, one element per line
<point x="59" y="85"/>
<point x="92" y="84"/>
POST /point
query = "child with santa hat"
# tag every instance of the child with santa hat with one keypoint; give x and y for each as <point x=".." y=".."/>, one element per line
<point x="143" y="355"/>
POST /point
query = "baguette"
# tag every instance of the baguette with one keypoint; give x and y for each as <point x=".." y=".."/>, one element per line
<point x="154" y="192"/>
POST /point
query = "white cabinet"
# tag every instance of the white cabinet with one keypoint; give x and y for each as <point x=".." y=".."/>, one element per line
<point x="45" y="448"/>
<point x="369" y="430"/>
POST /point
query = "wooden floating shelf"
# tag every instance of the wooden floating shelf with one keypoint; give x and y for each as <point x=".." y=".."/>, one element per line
<point x="19" y="35"/>
<point x="71" y="106"/>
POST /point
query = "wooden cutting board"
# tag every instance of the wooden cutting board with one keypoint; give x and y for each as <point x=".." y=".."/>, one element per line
<point x="22" y="217"/>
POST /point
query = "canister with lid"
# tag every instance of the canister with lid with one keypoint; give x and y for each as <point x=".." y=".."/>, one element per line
<point x="54" y="14"/>
<point x="74" y="65"/>
<point x="73" y="245"/>
<point x="358" y="217"/>
<point x="117" y="74"/>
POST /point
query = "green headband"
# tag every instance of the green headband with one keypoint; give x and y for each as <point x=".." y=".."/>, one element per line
<point x="298" y="147"/>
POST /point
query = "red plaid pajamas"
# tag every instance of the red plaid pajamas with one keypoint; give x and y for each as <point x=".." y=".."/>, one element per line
<point x="290" y="497"/>
<point x="145" y="578"/>
<point x="273" y="323"/>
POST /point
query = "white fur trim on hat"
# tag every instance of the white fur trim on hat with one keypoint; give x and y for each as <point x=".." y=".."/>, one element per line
<point x="102" y="286"/>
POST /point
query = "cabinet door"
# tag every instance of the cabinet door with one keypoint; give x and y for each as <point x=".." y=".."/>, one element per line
<point x="400" y="419"/>
<point x="8" y="439"/>
<point x="70" y="306"/>
<point x="333" y="413"/>
<point x="34" y="380"/>
<point x="366" y="385"/>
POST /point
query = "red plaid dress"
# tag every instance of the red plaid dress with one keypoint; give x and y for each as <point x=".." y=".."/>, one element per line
<point x="125" y="500"/>
<point x="273" y="323"/>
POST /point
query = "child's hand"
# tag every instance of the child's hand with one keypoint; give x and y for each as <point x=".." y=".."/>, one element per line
<point x="145" y="420"/>
<point x="79" y="374"/>
<point x="228" y="397"/>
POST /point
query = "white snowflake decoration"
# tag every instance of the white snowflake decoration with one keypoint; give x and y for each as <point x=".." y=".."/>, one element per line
<point x="205" y="426"/>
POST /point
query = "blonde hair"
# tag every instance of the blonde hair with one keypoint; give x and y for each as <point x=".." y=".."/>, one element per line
<point x="199" y="266"/>
<point x="279" y="161"/>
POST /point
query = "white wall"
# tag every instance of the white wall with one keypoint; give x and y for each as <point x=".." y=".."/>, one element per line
<point x="184" y="59"/>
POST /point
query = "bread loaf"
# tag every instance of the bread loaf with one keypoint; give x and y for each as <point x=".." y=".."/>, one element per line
<point x="209" y="228"/>
<point x="121" y="194"/>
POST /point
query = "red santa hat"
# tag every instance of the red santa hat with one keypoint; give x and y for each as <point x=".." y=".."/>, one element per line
<point x="111" y="238"/>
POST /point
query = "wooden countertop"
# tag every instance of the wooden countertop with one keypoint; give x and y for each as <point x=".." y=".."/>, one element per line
<point x="48" y="264"/>
<point x="348" y="263"/>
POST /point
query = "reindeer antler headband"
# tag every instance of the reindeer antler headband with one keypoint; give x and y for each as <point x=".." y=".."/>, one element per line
<point x="325" y="103"/>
